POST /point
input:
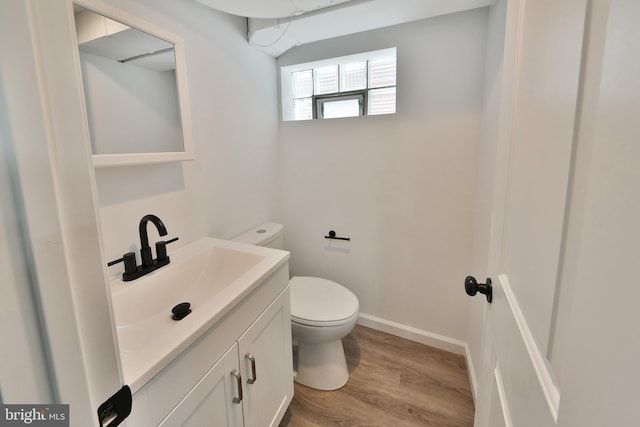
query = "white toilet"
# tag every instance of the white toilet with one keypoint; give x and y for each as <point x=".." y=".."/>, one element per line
<point x="322" y="313"/>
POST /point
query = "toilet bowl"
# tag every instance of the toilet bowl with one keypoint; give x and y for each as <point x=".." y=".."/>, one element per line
<point x="322" y="313"/>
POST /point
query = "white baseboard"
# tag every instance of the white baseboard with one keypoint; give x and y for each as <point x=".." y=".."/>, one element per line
<point x="414" y="334"/>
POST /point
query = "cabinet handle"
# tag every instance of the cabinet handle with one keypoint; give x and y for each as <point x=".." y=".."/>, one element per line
<point x="251" y="359"/>
<point x="236" y="374"/>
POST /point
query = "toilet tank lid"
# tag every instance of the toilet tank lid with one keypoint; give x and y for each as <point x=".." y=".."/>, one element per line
<point x="261" y="235"/>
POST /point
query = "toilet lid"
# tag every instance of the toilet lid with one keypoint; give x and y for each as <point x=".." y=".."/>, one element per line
<point x="316" y="301"/>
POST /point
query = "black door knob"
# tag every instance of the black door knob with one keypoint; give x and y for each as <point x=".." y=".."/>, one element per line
<point x="472" y="287"/>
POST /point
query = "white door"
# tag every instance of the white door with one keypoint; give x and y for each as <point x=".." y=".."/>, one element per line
<point x="23" y="373"/>
<point x="541" y="61"/>
<point x="45" y="140"/>
<point x="561" y="337"/>
<point x="597" y="341"/>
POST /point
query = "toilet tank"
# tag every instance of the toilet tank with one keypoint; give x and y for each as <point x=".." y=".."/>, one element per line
<point x="269" y="234"/>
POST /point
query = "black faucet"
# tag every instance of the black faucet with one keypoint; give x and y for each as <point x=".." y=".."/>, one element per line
<point x="133" y="271"/>
<point x="145" y="250"/>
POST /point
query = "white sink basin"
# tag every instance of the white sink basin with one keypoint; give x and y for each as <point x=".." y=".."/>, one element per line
<point x="213" y="275"/>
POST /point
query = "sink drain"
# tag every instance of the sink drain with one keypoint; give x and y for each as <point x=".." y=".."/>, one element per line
<point x="180" y="311"/>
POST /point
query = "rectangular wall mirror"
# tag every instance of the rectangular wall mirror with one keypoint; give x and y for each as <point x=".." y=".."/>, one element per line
<point x="135" y="89"/>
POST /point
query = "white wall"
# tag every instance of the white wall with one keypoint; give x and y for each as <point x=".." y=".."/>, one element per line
<point x="401" y="186"/>
<point x="234" y="182"/>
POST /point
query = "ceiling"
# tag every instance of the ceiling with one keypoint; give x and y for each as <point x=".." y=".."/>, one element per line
<point x="269" y="8"/>
<point x="276" y="26"/>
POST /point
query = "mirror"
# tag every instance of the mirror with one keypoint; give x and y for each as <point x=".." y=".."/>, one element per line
<point x="134" y="91"/>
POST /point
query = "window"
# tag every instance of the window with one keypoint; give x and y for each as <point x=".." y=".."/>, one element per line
<point x="331" y="107"/>
<point x="355" y="85"/>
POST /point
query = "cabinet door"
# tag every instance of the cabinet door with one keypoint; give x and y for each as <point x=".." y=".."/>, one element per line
<point x="265" y="356"/>
<point x="211" y="401"/>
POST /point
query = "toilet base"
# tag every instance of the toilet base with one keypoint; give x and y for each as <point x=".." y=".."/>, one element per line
<point x="321" y="365"/>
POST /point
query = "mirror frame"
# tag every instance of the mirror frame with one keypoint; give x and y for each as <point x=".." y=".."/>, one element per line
<point x="124" y="159"/>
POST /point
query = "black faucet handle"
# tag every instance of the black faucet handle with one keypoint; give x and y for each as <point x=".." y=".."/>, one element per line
<point x="129" y="260"/>
<point x="161" y="248"/>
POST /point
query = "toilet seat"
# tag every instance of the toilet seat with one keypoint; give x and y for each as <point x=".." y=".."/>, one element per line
<point x="321" y="302"/>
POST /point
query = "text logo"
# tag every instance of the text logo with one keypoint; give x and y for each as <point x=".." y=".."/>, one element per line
<point x="34" y="415"/>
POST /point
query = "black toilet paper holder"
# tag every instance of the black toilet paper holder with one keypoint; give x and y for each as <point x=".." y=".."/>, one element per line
<point x="332" y="235"/>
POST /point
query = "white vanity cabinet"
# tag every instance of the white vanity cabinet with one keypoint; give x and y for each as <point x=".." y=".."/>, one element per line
<point x="249" y="382"/>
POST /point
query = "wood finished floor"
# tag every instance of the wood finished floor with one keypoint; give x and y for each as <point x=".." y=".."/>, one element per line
<point x="393" y="382"/>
